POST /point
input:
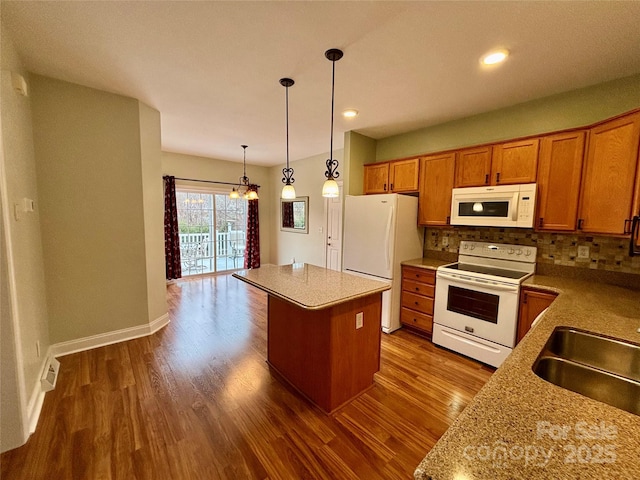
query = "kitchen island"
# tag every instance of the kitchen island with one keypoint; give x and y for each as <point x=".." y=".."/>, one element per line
<point x="323" y="333"/>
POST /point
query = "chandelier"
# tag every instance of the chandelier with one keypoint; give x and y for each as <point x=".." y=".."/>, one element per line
<point x="244" y="190"/>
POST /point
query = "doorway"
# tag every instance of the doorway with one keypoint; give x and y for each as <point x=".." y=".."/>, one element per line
<point x="212" y="231"/>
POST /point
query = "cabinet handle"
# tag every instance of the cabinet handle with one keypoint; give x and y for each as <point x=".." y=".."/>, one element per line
<point x="391" y="187"/>
<point x="627" y="230"/>
<point x="524" y="299"/>
<point x="486" y="180"/>
<point x="448" y="220"/>
<point x="540" y="222"/>
<point x="385" y="187"/>
<point x="417" y="289"/>
<point x="416" y="303"/>
<point x="498" y="177"/>
<point x="580" y="222"/>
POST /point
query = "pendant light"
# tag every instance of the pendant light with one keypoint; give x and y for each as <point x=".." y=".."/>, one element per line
<point x="288" y="192"/>
<point x="330" y="188"/>
<point x="244" y="188"/>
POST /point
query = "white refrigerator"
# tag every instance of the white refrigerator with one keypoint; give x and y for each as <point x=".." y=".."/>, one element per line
<point x="380" y="231"/>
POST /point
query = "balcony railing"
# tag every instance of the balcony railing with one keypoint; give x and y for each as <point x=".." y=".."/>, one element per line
<point x="198" y="254"/>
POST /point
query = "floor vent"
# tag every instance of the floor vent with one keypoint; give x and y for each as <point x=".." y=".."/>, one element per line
<point x="50" y="376"/>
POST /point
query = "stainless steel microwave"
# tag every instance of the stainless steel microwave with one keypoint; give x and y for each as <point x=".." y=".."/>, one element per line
<point x="499" y="206"/>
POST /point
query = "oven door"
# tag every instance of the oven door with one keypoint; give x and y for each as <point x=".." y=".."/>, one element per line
<point x="482" y="308"/>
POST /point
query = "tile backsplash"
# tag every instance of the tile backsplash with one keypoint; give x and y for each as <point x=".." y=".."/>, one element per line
<point x="604" y="253"/>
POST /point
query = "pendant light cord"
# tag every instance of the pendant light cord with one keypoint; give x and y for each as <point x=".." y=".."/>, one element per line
<point x="333" y="86"/>
<point x="245" y="180"/>
<point x="287" y="97"/>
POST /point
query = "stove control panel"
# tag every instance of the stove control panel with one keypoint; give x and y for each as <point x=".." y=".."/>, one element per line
<point x="520" y="253"/>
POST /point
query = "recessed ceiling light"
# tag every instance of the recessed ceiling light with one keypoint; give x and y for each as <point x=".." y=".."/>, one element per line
<point x="350" y="113"/>
<point x="497" y="56"/>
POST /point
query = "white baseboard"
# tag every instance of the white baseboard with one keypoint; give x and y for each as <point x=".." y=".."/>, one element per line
<point x="36" y="399"/>
<point x="108" y="338"/>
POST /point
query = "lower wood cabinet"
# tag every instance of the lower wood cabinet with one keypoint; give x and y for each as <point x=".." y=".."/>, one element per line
<point x="418" y="291"/>
<point x="532" y="303"/>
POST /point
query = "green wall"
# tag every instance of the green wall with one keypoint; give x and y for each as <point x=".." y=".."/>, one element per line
<point x="90" y="184"/>
<point x="360" y="150"/>
<point x="566" y="110"/>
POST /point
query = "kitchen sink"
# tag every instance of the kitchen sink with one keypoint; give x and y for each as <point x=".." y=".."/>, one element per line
<point x="609" y="354"/>
<point x="602" y="368"/>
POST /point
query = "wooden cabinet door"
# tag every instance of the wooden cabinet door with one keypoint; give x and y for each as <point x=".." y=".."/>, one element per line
<point x="376" y="178"/>
<point x="416" y="299"/>
<point x="559" y="174"/>
<point x="514" y="162"/>
<point x="532" y="303"/>
<point x="404" y="175"/>
<point x="610" y="183"/>
<point x="436" y="182"/>
<point x="473" y="167"/>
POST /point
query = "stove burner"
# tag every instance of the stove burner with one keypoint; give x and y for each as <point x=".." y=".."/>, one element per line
<point x="496" y="272"/>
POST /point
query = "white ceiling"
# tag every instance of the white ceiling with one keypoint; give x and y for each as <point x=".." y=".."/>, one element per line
<point x="212" y="68"/>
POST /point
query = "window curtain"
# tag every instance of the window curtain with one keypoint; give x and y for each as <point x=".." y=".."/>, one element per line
<point x="252" y="249"/>
<point x="287" y="214"/>
<point x="171" y="230"/>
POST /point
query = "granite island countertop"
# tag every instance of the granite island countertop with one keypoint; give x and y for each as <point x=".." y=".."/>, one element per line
<point x="520" y="426"/>
<point x="309" y="286"/>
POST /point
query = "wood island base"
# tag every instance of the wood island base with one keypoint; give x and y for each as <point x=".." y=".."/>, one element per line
<point x="321" y="353"/>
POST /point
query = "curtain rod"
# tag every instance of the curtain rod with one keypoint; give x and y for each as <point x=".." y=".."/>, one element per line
<point x="208" y="181"/>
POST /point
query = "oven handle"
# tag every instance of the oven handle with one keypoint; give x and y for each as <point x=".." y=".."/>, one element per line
<point x="459" y="279"/>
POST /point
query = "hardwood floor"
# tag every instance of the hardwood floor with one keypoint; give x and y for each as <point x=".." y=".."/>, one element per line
<point x="196" y="400"/>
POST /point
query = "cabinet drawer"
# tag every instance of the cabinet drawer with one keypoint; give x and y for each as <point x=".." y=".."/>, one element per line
<point x="419" y="275"/>
<point x="418" y="287"/>
<point x="417" y="302"/>
<point x="416" y="319"/>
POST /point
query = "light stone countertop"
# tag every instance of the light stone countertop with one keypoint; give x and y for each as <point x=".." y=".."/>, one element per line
<point x="517" y="418"/>
<point x="426" y="263"/>
<point x="308" y="286"/>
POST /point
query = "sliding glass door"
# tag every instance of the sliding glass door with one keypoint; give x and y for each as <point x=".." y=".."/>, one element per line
<point x="212" y="231"/>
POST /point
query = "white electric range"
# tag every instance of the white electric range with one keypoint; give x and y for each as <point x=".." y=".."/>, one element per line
<point x="476" y="300"/>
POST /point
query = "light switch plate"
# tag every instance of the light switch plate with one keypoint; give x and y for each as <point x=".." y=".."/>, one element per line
<point x="359" y="320"/>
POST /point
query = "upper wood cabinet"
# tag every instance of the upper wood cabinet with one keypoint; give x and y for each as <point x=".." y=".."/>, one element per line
<point x="436" y="183"/>
<point x="473" y="167"/>
<point x="610" y="182"/>
<point x="376" y="178"/>
<point x="559" y="174"/>
<point x="404" y="175"/>
<point x="503" y="164"/>
<point x="515" y="162"/>
<point x="399" y="176"/>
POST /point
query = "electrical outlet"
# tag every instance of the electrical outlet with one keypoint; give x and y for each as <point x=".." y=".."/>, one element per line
<point x="359" y="320"/>
<point x="445" y="241"/>
<point x="583" y="251"/>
